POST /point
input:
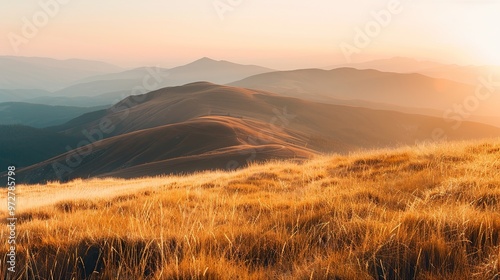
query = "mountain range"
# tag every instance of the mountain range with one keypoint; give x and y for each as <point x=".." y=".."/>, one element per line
<point x="202" y="126"/>
<point x="469" y="74"/>
<point x="46" y="73"/>
<point x="212" y="114"/>
<point x="404" y="92"/>
<point x="86" y="87"/>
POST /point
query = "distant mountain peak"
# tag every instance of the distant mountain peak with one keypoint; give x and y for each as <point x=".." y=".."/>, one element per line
<point x="205" y="59"/>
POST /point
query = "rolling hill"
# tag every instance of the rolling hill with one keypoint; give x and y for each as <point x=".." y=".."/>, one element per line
<point x="468" y="74"/>
<point x="110" y="86"/>
<point x="402" y="90"/>
<point x="215" y="71"/>
<point x="203" y="126"/>
<point x="200" y="144"/>
<point x="89" y="83"/>
<point x="17" y="95"/>
<point x="100" y="87"/>
<point x="394" y="64"/>
<point x="152" y="78"/>
<point x="203" y="69"/>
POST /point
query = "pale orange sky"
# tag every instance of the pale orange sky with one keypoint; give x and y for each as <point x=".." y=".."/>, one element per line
<point x="281" y="33"/>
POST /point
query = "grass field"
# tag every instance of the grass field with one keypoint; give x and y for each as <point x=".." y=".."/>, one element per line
<point x="423" y="212"/>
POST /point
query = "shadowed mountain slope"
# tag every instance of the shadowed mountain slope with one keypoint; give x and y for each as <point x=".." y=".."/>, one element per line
<point x="37" y="115"/>
<point x="203" y="126"/>
<point x="22" y="146"/>
<point x="200" y="144"/>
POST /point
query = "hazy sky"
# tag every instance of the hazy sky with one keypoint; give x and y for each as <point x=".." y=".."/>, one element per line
<point x="274" y="33"/>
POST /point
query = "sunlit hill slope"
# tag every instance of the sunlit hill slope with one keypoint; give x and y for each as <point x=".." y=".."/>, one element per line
<point x="425" y="212"/>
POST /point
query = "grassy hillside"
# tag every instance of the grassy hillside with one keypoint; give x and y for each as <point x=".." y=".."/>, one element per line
<point x="426" y="212"/>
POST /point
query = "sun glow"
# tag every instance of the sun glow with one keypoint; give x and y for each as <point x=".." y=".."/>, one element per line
<point x="476" y="31"/>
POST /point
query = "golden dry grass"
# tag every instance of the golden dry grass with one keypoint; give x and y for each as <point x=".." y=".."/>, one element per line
<point x="425" y="212"/>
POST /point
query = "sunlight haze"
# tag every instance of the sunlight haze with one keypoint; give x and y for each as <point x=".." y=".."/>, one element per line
<point x="279" y="34"/>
